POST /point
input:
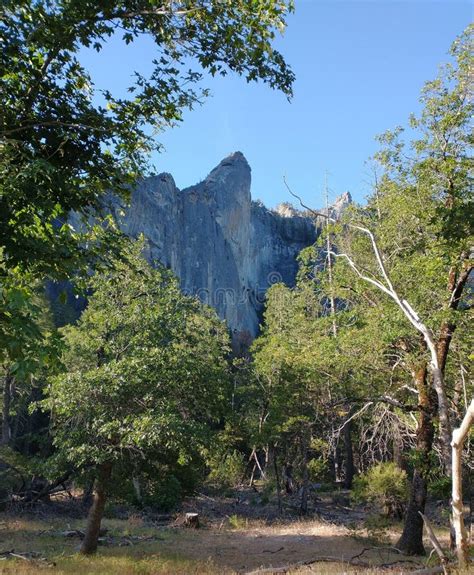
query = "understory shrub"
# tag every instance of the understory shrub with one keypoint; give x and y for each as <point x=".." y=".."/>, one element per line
<point x="163" y="494"/>
<point x="227" y="469"/>
<point x="317" y="469"/>
<point x="18" y="474"/>
<point x="377" y="528"/>
<point x="158" y="486"/>
<point x="384" y="485"/>
<point x="440" y="488"/>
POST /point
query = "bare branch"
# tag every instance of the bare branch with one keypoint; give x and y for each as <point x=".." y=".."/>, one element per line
<point x="353" y="416"/>
<point x="434" y="541"/>
<point x="314" y="212"/>
<point x="413" y="318"/>
<point x="361" y="275"/>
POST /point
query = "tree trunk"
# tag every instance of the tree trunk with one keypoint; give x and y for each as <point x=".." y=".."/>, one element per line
<point x="137" y="488"/>
<point x="349" y="470"/>
<point x="337" y="465"/>
<point x="87" y="495"/>
<point x="7" y="398"/>
<point x="305" y="475"/>
<point x="411" y="540"/>
<point x="89" y="544"/>
<point x="277" y="480"/>
<point x="444" y="419"/>
<point x="398" y="458"/>
<point x="456" y="284"/>
<point x="192" y="520"/>
<point x="459" y="435"/>
<point x="288" y="476"/>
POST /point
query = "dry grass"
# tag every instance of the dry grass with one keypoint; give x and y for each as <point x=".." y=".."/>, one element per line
<point x="209" y="551"/>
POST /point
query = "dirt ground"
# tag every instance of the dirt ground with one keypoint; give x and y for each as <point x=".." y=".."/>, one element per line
<point x="238" y="534"/>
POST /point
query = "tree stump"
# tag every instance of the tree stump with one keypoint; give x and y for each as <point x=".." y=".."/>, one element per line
<point x="191" y="520"/>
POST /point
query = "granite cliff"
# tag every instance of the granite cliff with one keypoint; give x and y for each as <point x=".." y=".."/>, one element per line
<point x="224" y="247"/>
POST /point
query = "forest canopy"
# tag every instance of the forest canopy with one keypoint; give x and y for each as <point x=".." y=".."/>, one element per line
<point x="358" y="383"/>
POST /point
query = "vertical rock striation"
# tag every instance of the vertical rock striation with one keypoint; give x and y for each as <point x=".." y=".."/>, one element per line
<point x="224" y="248"/>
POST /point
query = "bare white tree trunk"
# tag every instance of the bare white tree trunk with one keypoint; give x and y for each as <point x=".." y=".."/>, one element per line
<point x="386" y="286"/>
<point x="459" y="435"/>
<point x="137" y="488"/>
<point x="329" y="260"/>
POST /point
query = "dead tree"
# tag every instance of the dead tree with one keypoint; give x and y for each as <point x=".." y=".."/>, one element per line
<point x="459" y="435"/>
<point x="385" y="285"/>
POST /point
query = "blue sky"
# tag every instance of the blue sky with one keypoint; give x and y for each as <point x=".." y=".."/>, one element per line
<point x="359" y="69"/>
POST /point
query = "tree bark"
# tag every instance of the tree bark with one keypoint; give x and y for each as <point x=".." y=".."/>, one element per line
<point x="288" y="476"/>
<point x="459" y="435"/>
<point x="457" y="281"/>
<point x="137" y="488"/>
<point x="456" y="284"/>
<point x="305" y="475"/>
<point x="411" y="540"/>
<point x="349" y="470"/>
<point x="88" y="494"/>
<point x="337" y="465"/>
<point x="89" y="544"/>
<point x="444" y="419"/>
<point x="7" y="398"/>
<point x="277" y="480"/>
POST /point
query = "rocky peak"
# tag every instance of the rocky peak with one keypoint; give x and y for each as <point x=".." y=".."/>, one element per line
<point x="231" y="174"/>
<point x="341" y="203"/>
<point x="225" y="249"/>
<point x="287" y="210"/>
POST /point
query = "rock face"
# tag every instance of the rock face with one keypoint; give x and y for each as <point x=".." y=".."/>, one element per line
<point x="225" y="248"/>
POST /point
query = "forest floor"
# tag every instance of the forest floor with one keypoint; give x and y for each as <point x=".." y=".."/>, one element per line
<point x="239" y="534"/>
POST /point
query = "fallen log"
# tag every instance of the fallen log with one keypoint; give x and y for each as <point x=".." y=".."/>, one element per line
<point x="322" y="559"/>
<point x="436" y="544"/>
<point x="32" y="557"/>
<point x="428" y="571"/>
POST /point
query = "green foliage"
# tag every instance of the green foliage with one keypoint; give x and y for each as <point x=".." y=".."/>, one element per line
<point x="312" y="370"/>
<point x="65" y="143"/>
<point x="226" y="469"/>
<point x="163" y="493"/>
<point x="145" y="371"/>
<point x="287" y="388"/>
<point x="237" y="522"/>
<point x="16" y="472"/>
<point x="441" y="488"/>
<point x="384" y="485"/>
<point x="158" y="483"/>
<point x="268" y="491"/>
<point x="429" y="465"/>
<point x="318" y="469"/>
<point x="27" y="337"/>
